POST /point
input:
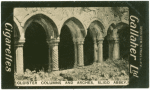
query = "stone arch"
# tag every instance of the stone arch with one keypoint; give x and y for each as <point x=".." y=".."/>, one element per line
<point x="110" y="31"/>
<point x="51" y="31"/>
<point x="76" y="27"/>
<point x="48" y="25"/>
<point x="35" y="48"/>
<point x="113" y="36"/>
<point x="115" y="24"/>
<point x="111" y="23"/>
<point x="122" y="33"/>
<point x="116" y="28"/>
<point x="108" y="43"/>
<point x="29" y="15"/>
<point x="97" y="29"/>
<point x="78" y="33"/>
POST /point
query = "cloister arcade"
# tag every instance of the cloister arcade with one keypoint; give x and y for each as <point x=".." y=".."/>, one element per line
<point x="73" y="38"/>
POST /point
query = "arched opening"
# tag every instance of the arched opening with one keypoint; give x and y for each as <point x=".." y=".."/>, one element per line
<point x="35" y="48"/>
<point x="66" y="49"/>
<point x="124" y="43"/>
<point x="108" y="43"/>
<point x="106" y="48"/>
<point x="88" y="49"/>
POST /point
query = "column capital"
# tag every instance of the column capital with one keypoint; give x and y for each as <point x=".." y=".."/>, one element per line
<point x="20" y="43"/>
<point x="74" y="40"/>
<point x="116" y="41"/>
<point x="80" y="41"/>
<point x="110" y="41"/>
<point x="53" y="41"/>
<point x="116" y="38"/>
<point x="100" y="40"/>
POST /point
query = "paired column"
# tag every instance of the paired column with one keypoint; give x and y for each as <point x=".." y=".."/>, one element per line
<point x="49" y="56"/>
<point x="100" y="50"/>
<point x="80" y="53"/>
<point x="116" y="50"/>
<point x="54" y="53"/>
<point x="75" y="54"/>
<point x="19" y="58"/>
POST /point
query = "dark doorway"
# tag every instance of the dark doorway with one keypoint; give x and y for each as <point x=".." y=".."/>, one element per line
<point x="88" y="49"/>
<point x="105" y="49"/>
<point x="66" y="49"/>
<point x="35" y="48"/>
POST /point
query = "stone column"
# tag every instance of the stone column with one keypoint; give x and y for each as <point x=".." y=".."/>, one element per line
<point x="75" y="55"/>
<point x="95" y="51"/>
<point x="19" y="58"/>
<point x="110" y="49"/>
<point x="49" y="56"/>
<point x="100" y="50"/>
<point x="55" y="61"/>
<point x="80" y="53"/>
<point x="116" y="50"/>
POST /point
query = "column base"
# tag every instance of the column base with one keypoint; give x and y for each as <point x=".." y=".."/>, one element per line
<point x="20" y="73"/>
<point x="95" y="61"/>
<point x="116" y="58"/>
<point x="56" y="69"/>
<point x="49" y="70"/>
<point x="81" y="65"/>
<point x="99" y="61"/>
<point x="75" y="66"/>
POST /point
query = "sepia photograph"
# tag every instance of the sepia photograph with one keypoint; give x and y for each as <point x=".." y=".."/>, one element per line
<point x="74" y="44"/>
<point x="71" y="44"/>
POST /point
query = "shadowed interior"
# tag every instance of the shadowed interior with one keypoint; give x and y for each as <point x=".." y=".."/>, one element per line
<point x="88" y="49"/>
<point x="105" y="49"/>
<point x="35" y="48"/>
<point x="66" y="49"/>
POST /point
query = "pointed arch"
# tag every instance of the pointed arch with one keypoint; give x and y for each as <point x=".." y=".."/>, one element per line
<point x="76" y="27"/>
<point x="115" y="28"/>
<point x="97" y="29"/>
<point x="48" y="25"/>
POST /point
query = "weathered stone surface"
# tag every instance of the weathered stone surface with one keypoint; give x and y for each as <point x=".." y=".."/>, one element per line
<point x="86" y="15"/>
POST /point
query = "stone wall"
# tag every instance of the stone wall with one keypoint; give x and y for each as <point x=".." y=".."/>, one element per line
<point x="86" y="15"/>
